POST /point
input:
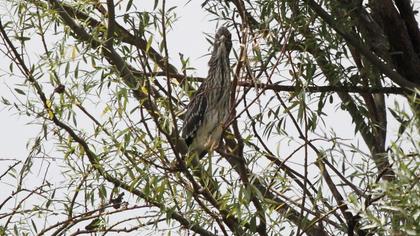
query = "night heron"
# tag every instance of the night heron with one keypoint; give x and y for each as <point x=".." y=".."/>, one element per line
<point x="209" y="108"/>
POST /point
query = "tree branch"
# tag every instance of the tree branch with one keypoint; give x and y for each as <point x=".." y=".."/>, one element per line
<point x="93" y="159"/>
<point x="383" y="67"/>
<point x="323" y="89"/>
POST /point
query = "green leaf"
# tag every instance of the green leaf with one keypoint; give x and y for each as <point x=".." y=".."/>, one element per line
<point x="253" y="224"/>
<point x="34" y="225"/>
<point x="15" y="229"/>
<point x="102" y="192"/>
<point x="129" y="4"/>
<point x="403" y="127"/>
<point x="66" y="71"/>
<point x="19" y="91"/>
<point x="22" y="38"/>
<point x="396" y="116"/>
<point x="95" y="224"/>
<point x="149" y="43"/>
<point x="76" y="71"/>
<point x="48" y="204"/>
<point x="5" y="101"/>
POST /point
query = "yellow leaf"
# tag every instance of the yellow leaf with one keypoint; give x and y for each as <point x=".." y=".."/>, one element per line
<point x="48" y="103"/>
<point x="149" y="43"/>
<point x="144" y="89"/>
<point x="73" y="52"/>
<point x="81" y="150"/>
<point x="50" y="114"/>
<point x="106" y="110"/>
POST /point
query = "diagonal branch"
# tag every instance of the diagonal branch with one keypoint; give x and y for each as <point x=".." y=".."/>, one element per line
<point x="93" y="158"/>
<point x="383" y="67"/>
<point x="131" y="81"/>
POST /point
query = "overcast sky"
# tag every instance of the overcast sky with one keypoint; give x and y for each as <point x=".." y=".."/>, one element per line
<point x="187" y="37"/>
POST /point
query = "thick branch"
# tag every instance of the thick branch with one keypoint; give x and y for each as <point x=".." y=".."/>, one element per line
<point x="121" y="33"/>
<point x="353" y="41"/>
<point x="407" y="14"/>
<point x="292" y="88"/>
<point x="131" y="81"/>
<point x="93" y="159"/>
<point x="321" y="89"/>
<point x="92" y="156"/>
<point x="403" y="54"/>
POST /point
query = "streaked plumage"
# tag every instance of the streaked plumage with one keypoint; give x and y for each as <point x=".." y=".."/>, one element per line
<point x="210" y="107"/>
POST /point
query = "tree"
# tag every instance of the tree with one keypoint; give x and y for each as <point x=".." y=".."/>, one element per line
<point x="109" y="104"/>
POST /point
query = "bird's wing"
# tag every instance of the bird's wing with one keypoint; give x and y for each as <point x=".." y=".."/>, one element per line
<point x="194" y="115"/>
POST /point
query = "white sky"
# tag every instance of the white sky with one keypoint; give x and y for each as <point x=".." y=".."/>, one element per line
<point x="187" y="37"/>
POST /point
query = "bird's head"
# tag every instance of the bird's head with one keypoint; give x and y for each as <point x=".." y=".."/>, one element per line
<point x="223" y="38"/>
<point x="222" y="44"/>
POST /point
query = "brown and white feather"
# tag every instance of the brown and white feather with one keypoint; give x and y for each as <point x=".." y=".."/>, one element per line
<point x="209" y="108"/>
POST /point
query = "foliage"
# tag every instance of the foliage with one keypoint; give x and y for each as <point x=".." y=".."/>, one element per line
<point x="99" y="83"/>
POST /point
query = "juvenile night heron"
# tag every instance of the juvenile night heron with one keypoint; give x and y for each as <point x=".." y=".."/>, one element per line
<point x="210" y="106"/>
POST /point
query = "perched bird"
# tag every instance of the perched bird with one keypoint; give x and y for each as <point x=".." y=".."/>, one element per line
<point x="209" y="108"/>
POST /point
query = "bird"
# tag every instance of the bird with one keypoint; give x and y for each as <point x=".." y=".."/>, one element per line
<point x="210" y="106"/>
